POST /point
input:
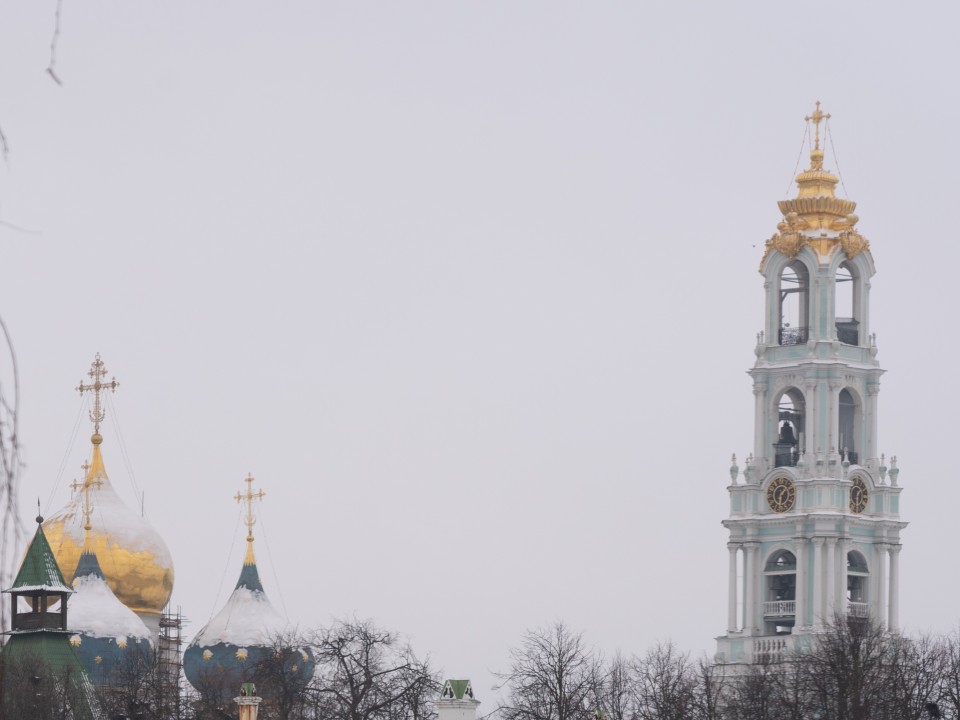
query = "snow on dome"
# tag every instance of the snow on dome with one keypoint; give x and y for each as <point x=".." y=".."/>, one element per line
<point x="248" y="618"/>
<point x="135" y="560"/>
<point x="96" y="612"/>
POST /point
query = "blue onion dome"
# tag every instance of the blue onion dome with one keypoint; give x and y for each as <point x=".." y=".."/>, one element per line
<point x="246" y="633"/>
<point x="108" y="637"/>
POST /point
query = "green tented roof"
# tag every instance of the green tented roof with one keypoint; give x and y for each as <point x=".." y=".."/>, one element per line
<point x="53" y="648"/>
<point x="459" y="688"/>
<point x="39" y="570"/>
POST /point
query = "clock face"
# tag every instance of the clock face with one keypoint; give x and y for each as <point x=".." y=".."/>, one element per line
<point x="858" y="496"/>
<point x="781" y="494"/>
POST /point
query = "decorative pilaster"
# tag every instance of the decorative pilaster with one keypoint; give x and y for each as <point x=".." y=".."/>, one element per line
<point x="873" y="390"/>
<point x="831" y="576"/>
<point x="799" y="550"/>
<point x="760" y="448"/>
<point x="817" y="577"/>
<point x="880" y="609"/>
<point x="732" y="593"/>
<point x="894" y="617"/>
<point x="749" y="601"/>
<point x="811" y="435"/>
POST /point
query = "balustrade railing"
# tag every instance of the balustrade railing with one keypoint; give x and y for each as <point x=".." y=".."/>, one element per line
<point x="769" y="650"/>
<point x="858" y="609"/>
<point x="793" y="335"/>
<point x="780" y="608"/>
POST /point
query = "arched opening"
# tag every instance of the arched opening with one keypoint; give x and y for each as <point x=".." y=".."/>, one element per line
<point x="849" y="426"/>
<point x="846" y="305"/>
<point x="780" y="599"/>
<point x="794" y="309"/>
<point x="858" y="583"/>
<point x="788" y="445"/>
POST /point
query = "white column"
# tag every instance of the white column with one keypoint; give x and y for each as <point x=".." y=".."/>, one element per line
<point x="732" y="593"/>
<point x="894" y="620"/>
<point x="816" y="578"/>
<point x="873" y="388"/>
<point x="812" y="430"/>
<point x="799" y="547"/>
<point x="749" y="600"/>
<point x="845" y="546"/>
<point x="880" y="605"/>
<point x="760" y="447"/>
<point x="833" y="417"/>
<point x="831" y="575"/>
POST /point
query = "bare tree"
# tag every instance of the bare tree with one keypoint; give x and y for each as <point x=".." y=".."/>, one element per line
<point x="553" y="676"/>
<point x="616" y="695"/>
<point x="283" y="676"/>
<point x="367" y="673"/>
<point x="11" y="530"/>
<point x="666" y="684"/>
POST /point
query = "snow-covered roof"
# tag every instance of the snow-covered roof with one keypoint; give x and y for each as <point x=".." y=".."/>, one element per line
<point x="247" y="618"/>
<point x="95" y="611"/>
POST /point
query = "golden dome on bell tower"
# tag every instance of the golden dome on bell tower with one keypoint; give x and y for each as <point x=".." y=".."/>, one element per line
<point x="816" y="217"/>
<point x="133" y="556"/>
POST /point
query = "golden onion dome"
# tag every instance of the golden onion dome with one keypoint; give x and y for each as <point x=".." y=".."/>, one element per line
<point x="133" y="556"/>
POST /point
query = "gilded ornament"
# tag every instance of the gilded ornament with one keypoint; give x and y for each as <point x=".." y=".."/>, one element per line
<point x="853" y="243"/>
<point x="207" y="654"/>
<point x="242" y="654"/>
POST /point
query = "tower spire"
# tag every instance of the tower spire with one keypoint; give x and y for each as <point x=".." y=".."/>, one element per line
<point x="97" y="373"/>
<point x="248" y="496"/>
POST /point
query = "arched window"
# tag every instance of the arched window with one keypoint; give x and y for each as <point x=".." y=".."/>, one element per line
<point x="794" y="298"/>
<point x="849" y="426"/>
<point x="858" y="583"/>
<point x="847" y="305"/>
<point x="780" y="600"/>
<point x="787" y="445"/>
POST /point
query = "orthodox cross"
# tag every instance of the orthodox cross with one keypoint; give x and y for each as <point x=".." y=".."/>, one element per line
<point x="84" y="487"/>
<point x="97" y="372"/>
<point x="249" y="496"/>
<point x="817" y="117"/>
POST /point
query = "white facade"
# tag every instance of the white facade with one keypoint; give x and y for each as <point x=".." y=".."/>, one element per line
<point x="814" y="517"/>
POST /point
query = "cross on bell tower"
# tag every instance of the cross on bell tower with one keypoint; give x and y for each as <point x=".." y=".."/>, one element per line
<point x="97" y="373"/>
<point x="814" y="523"/>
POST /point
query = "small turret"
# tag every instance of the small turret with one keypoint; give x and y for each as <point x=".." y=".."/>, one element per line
<point x="248" y="704"/>
<point x="456" y="701"/>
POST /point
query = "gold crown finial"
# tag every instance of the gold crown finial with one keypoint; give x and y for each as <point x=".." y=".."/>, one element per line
<point x="84" y="487"/>
<point x="97" y="372"/>
<point x="249" y="496"/>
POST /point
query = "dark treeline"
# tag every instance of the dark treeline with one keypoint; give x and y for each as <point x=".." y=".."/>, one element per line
<point x="850" y="671"/>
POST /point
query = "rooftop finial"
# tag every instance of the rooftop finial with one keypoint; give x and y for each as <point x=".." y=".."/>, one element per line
<point x="97" y="372"/>
<point x="84" y="487"/>
<point x="249" y="496"/>
<point x="816" y="118"/>
<point x="39" y="515"/>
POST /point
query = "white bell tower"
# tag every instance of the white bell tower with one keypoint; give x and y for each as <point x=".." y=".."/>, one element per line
<point x="815" y="522"/>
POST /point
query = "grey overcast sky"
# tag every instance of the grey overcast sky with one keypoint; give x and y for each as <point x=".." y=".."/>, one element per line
<point x="469" y="287"/>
